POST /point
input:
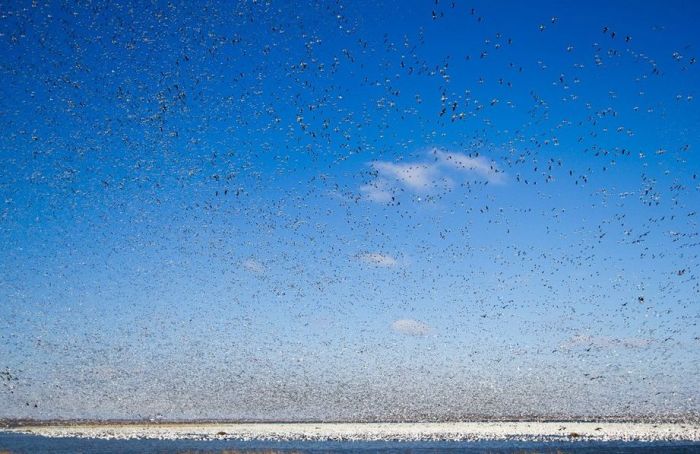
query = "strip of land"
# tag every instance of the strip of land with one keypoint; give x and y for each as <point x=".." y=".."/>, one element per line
<point x="458" y="431"/>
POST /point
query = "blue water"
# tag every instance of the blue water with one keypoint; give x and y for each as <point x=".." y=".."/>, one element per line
<point x="17" y="443"/>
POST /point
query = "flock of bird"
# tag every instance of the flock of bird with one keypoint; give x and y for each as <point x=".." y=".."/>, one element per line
<point x="346" y="211"/>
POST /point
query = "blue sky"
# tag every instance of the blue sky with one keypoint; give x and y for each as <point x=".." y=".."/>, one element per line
<point x="349" y="210"/>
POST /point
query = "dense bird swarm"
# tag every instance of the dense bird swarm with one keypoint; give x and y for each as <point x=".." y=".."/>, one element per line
<point x="348" y="210"/>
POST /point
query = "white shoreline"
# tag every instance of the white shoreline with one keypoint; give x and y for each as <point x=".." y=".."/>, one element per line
<point x="526" y="431"/>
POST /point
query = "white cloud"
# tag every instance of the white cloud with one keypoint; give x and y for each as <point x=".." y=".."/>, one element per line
<point x="253" y="266"/>
<point x="411" y="327"/>
<point x="427" y="176"/>
<point x="378" y="259"/>
<point x="415" y="176"/>
<point x="377" y="191"/>
<point x="465" y="163"/>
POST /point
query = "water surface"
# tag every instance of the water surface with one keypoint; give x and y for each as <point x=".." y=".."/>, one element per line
<point x="20" y="443"/>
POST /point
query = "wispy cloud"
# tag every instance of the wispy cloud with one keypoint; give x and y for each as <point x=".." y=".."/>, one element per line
<point x="415" y="176"/>
<point x="253" y="266"/>
<point x="438" y="170"/>
<point x="378" y="259"/>
<point x="377" y="191"/>
<point x="411" y="327"/>
<point x="478" y="165"/>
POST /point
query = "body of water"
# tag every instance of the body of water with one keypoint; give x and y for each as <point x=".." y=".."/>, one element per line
<point x="21" y="443"/>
